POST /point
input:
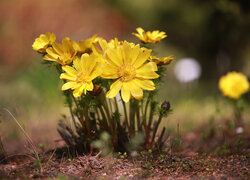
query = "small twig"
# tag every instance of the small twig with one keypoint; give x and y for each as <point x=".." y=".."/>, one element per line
<point x="97" y="155"/>
<point x="27" y="136"/>
<point x="51" y="156"/>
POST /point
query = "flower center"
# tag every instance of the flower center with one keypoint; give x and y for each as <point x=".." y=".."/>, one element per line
<point x="82" y="77"/>
<point x="126" y="72"/>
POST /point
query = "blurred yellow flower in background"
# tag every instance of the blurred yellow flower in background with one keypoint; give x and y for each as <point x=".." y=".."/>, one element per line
<point x="41" y="44"/>
<point x="81" y="75"/>
<point x="127" y="65"/>
<point x="149" y="37"/>
<point x="162" y="60"/>
<point x="233" y="85"/>
<point x="62" y="53"/>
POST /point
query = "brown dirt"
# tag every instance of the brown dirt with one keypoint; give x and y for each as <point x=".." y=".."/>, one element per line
<point x="196" y="158"/>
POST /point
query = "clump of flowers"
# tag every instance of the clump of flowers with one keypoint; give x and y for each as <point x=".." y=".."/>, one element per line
<point x="108" y="87"/>
<point x="234" y="85"/>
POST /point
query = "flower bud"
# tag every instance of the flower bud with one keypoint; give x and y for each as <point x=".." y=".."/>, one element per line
<point x="165" y="105"/>
<point x="96" y="91"/>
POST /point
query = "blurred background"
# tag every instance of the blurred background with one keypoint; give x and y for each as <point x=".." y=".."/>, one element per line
<point x="207" y="39"/>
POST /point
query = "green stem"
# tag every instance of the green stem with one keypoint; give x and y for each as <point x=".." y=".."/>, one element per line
<point x="139" y="128"/>
<point x="237" y="114"/>
<point x="79" y="114"/>
<point x="125" y="113"/>
<point x="72" y="115"/>
<point x="105" y="105"/>
<point x="110" y="106"/>
<point x="144" y="121"/>
<point x="86" y="115"/>
<point x="105" y="122"/>
<point x="146" y="107"/>
<point x="132" y="117"/>
<point x="142" y="112"/>
<point x="116" y="104"/>
<point x="156" y="128"/>
<point x="151" y="116"/>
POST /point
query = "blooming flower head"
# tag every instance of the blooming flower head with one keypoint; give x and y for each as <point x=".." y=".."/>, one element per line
<point x="86" y="45"/>
<point x="126" y="64"/>
<point x="81" y="75"/>
<point x="149" y="37"/>
<point x="41" y="44"/>
<point x="162" y="60"/>
<point x="233" y="84"/>
<point x="62" y="53"/>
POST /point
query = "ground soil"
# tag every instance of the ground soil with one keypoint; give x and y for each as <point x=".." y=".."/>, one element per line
<point x="217" y="155"/>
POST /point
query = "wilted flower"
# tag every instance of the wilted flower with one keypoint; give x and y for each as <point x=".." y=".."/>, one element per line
<point x="162" y="60"/>
<point x="41" y="44"/>
<point x="80" y="77"/>
<point x="149" y="37"/>
<point x="126" y="64"/>
<point x="233" y="84"/>
<point x="62" y="53"/>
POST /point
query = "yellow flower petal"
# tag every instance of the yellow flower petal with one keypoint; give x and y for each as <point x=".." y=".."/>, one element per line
<point x="115" y="56"/>
<point x="89" y="87"/>
<point x="140" y="30"/>
<point x="48" y="57"/>
<point x="142" y="57"/>
<point x="110" y="71"/>
<point x="125" y="92"/>
<point x="69" y="70"/>
<point x="87" y="62"/>
<point x="114" y="89"/>
<point x="145" y="84"/>
<point x="67" y="77"/>
<point x="96" y="71"/>
<point x="69" y="85"/>
<point x="78" y="91"/>
<point x="77" y="64"/>
<point x="147" y="71"/>
<point x="130" y="54"/>
<point x="57" y="47"/>
<point x="135" y="90"/>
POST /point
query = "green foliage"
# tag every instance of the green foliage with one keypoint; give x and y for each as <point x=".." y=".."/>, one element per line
<point x="223" y="150"/>
<point x="104" y="144"/>
<point x="42" y="146"/>
<point x="37" y="163"/>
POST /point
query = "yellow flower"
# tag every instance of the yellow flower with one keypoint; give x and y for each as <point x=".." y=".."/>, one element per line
<point x="81" y="75"/>
<point x="113" y="43"/>
<point x="233" y="84"/>
<point x="84" y="46"/>
<point x="149" y="37"/>
<point x="40" y="44"/>
<point x="162" y="60"/>
<point x="127" y="65"/>
<point x="62" y="53"/>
